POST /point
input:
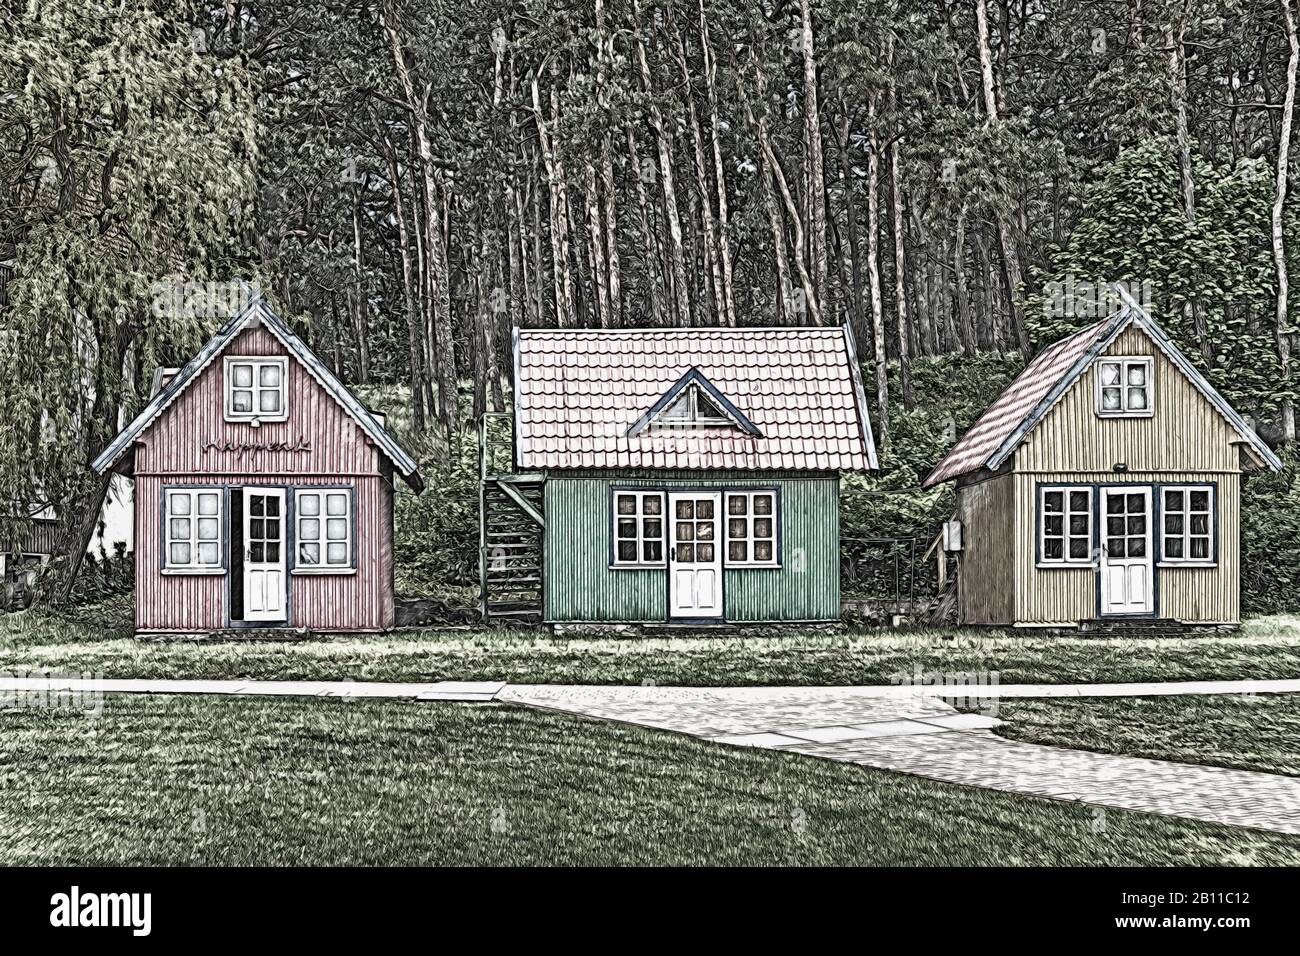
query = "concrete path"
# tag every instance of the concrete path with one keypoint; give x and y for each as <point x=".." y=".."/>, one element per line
<point x="924" y="736"/>
<point x="911" y="729"/>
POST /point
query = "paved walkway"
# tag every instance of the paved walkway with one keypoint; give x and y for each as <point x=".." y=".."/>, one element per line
<point x="911" y="729"/>
<point x="922" y="735"/>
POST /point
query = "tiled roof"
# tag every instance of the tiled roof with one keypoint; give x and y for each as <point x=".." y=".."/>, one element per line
<point x="1015" y="408"/>
<point x="578" y="392"/>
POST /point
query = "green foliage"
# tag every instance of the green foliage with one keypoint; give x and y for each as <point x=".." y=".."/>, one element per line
<point x="1134" y="229"/>
<point x="137" y="163"/>
<point x="951" y="392"/>
<point x="1270" y="528"/>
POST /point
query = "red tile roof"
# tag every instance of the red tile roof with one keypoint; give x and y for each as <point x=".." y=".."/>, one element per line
<point x="1017" y="405"/>
<point x="578" y="392"/>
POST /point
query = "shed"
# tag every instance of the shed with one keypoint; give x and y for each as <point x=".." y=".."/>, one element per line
<point x="263" y="491"/>
<point x="679" y="475"/>
<point x="1103" y="484"/>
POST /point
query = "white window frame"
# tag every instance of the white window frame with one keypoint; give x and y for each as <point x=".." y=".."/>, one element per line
<point x="697" y="420"/>
<point x="321" y="538"/>
<point x="1124" y="362"/>
<point x="641" y="537"/>
<point x="193" y="566"/>
<point x="1066" y="512"/>
<point x="749" y="538"/>
<point x="258" y="362"/>
<point x="1187" y="561"/>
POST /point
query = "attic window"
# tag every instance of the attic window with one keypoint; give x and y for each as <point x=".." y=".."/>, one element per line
<point x="692" y="409"/>
<point x="693" y="403"/>
<point x="256" y="389"/>
<point x="1124" y="388"/>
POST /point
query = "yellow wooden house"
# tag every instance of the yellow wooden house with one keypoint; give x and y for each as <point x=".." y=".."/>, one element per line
<point x="1104" y="483"/>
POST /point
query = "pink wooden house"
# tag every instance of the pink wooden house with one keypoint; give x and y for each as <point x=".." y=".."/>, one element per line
<point x="263" y="491"/>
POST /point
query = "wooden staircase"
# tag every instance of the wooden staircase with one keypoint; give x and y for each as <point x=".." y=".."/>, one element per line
<point x="511" y="522"/>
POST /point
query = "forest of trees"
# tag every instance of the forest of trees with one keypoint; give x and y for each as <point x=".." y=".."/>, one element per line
<point x="410" y="179"/>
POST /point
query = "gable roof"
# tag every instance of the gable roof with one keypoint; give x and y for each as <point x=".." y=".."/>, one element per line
<point x="695" y="378"/>
<point x="1032" y="394"/>
<point x="581" y="393"/>
<point x="258" y="311"/>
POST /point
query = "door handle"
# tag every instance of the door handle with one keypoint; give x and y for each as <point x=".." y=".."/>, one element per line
<point x="672" y="553"/>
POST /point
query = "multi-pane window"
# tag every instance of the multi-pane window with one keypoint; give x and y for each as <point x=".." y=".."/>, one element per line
<point x="1065" y="527"/>
<point x="751" y="528"/>
<point x="192" y="530"/>
<point x="1124" y="387"/>
<point x="1188" y="524"/>
<point x="638" y="528"/>
<point x="692" y="409"/>
<point x="324" y="529"/>
<point x="256" y="389"/>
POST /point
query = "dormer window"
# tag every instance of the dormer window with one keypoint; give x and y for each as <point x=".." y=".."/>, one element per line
<point x="692" y="410"/>
<point x="1124" y="387"/>
<point x="256" y="389"/>
<point x="692" y="403"/>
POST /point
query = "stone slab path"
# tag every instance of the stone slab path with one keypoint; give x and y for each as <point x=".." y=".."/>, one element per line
<point x="924" y="736"/>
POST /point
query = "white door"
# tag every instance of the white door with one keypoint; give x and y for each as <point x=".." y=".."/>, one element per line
<point x="695" y="556"/>
<point x="264" y="557"/>
<point x="1125" y="565"/>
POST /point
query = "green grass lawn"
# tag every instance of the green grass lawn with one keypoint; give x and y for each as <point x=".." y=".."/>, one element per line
<point x="183" y="780"/>
<point x="1249" y="732"/>
<point x="97" y="639"/>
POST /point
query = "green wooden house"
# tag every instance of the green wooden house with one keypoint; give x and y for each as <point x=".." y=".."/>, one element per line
<point x="675" y="476"/>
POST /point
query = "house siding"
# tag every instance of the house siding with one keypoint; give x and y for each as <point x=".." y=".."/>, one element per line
<point x="580" y="586"/>
<point x="1185" y="433"/>
<point x="171" y="452"/>
<point x="1185" y="440"/>
<point x="1065" y="596"/>
<point x="986" y="578"/>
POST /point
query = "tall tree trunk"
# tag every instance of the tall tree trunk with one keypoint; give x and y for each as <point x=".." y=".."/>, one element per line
<point x="360" y="297"/>
<point x="599" y="264"/>
<point x="719" y="174"/>
<point x="1010" y="255"/>
<point x="849" y="185"/>
<point x="873" y="270"/>
<point x="666" y="179"/>
<point x="609" y="210"/>
<point x="439" y="295"/>
<point x="816" y="180"/>
<point x="812" y="305"/>
<point x="1175" y="39"/>
<point x="558" y="209"/>
<point x="712" y="258"/>
<point x="419" y="382"/>
<point x="970" y="341"/>
<point x="648" y="250"/>
<point x="1279" y="202"/>
<point x="900" y="280"/>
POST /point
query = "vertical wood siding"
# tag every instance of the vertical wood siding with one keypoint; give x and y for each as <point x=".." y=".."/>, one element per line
<point x="1185" y="433"/>
<point x="1064" y="596"/>
<point x="581" y="587"/>
<point x="362" y="601"/>
<point x="986" y="575"/>
<point x="173" y="444"/>
<point x="1185" y="440"/>
<point x="171" y="452"/>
